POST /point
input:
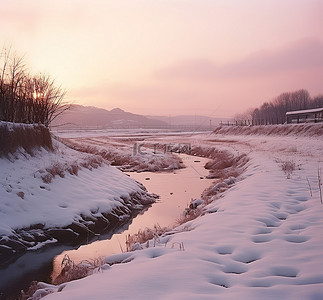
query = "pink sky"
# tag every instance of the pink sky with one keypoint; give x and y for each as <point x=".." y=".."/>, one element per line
<point x="170" y="57"/>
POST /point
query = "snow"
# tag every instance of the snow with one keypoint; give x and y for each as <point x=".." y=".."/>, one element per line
<point x="131" y="153"/>
<point x="305" y="111"/>
<point x="261" y="239"/>
<point x="11" y="125"/>
<point x="195" y="203"/>
<point x="119" y="132"/>
<point x="27" y="200"/>
<point x="42" y="244"/>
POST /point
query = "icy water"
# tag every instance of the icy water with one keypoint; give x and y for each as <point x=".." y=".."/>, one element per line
<point x="175" y="190"/>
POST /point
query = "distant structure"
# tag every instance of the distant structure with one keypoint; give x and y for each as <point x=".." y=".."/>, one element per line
<point x="314" y="115"/>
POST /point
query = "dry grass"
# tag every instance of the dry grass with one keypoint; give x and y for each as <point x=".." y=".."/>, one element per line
<point x="91" y="162"/>
<point x="28" y="294"/>
<point x="189" y="215"/>
<point x="309" y="186"/>
<point x="286" y="129"/>
<point x="28" y="137"/>
<point x="60" y="169"/>
<point x="319" y="176"/>
<point x="72" y="271"/>
<point x="288" y="167"/>
<point x="57" y="169"/>
<point x="222" y="164"/>
<point x="126" y="159"/>
<point x="73" y="169"/>
<point x="144" y="236"/>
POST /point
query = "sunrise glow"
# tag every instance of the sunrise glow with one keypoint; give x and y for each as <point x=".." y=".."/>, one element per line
<point x="170" y="57"/>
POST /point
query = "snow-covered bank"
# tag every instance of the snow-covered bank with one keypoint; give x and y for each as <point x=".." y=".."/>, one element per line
<point x="14" y="136"/>
<point x="61" y="196"/>
<point x="261" y="240"/>
<point x="305" y="129"/>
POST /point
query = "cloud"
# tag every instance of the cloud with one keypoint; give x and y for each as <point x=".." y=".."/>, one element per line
<point x="17" y="17"/>
<point x="202" y="85"/>
<point x="301" y="55"/>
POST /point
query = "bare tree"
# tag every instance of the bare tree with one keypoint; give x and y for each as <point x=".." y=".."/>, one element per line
<point x="274" y="112"/>
<point x="25" y="98"/>
<point x="318" y="101"/>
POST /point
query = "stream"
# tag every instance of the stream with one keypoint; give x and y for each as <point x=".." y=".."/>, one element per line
<point x="176" y="189"/>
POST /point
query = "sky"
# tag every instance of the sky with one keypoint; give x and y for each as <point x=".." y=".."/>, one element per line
<point x="170" y="57"/>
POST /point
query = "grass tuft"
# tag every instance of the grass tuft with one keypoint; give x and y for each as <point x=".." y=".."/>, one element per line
<point x="144" y="236"/>
<point x="60" y="169"/>
<point x="288" y="167"/>
<point x="319" y="176"/>
<point x="72" y="271"/>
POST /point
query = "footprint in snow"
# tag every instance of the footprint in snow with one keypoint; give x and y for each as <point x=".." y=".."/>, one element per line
<point x="297" y="227"/>
<point x="262" y="238"/>
<point x="269" y="222"/>
<point x="235" y="268"/>
<point x="247" y="257"/>
<point x="284" y="271"/>
<point x="296" y="238"/>
<point x="224" y="250"/>
<point x="264" y="230"/>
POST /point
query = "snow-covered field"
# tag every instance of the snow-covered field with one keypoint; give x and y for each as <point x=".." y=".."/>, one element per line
<point x="262" y="239"/>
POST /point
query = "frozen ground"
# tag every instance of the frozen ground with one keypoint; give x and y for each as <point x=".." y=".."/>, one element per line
<point x="262" y="239"/>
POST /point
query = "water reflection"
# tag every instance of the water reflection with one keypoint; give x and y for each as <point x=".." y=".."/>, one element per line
<point x="35" y="265"/>
<point x="175" y="190"/>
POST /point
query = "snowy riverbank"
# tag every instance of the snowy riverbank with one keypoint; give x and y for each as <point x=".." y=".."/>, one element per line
<point x="63" y="196"/>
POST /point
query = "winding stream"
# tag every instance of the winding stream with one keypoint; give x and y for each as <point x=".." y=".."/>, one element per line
<point x="175" y="190"/>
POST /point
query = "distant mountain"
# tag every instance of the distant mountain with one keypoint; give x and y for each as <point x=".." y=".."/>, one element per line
<point x="89" y="116"/>
<point x="79" y="116"/>
<point x="190" y="120"/>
